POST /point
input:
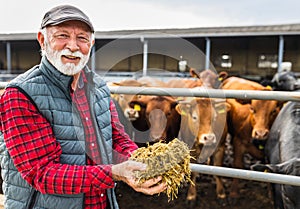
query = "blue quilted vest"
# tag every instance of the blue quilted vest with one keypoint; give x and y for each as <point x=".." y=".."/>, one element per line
<point x="49" y="90"/>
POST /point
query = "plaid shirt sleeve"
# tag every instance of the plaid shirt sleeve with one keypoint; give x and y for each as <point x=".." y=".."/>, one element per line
<point x="123" y="145"/>
<point x="36" y="153"/>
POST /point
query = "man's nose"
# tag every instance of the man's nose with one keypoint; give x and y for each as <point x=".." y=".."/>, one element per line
<point x="72" y="45"/>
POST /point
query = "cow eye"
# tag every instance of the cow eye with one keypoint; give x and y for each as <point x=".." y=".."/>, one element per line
<point x="252" y="110"/>
<point x="274" y="112"/>
<point x="194" y="116"/>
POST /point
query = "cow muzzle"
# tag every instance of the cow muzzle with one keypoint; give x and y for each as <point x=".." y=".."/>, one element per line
<point x="131" y="114"/>
<point x="207" y="139"/>
<point x="260" y="134"/>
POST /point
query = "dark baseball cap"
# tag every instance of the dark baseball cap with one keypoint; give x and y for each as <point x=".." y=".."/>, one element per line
<point x="64" y="13"/>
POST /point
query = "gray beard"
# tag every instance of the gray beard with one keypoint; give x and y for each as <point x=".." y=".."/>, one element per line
<point x="70" y="69"/>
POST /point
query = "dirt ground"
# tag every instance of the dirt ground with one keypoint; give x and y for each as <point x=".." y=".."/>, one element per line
<point x="254" y="195"/>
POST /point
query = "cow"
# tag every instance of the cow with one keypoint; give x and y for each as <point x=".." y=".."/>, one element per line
<point x="282" y="151"/>
<point x="158" y="118"/>
<point x="248" y="120"/>
<point x="204" y="129"/>
<point x="209" y="78"/>
<point x="203" y="126"/>
<point x="124" y="99"/>
<point x="285" y="81"/>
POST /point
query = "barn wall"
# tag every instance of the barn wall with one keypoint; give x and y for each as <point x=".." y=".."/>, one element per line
<point x="2" y="56"/>
<point x="127" y="55"/>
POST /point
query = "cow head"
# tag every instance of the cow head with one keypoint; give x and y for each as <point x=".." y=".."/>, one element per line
<point x="160" y="115"/>
<point x="263" y="114"/>
<point x="202" y="115"/>
<point x="123" y="99"/>
<point x="209" y="78"/>
<point x="204" y="122"/>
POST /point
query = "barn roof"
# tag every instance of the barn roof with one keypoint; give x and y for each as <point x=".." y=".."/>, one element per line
<point x="258" y="30"/>
<point x="262" y="30"/>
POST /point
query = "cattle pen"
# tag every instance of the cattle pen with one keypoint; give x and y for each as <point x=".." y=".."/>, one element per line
<point x="215" y="93"/>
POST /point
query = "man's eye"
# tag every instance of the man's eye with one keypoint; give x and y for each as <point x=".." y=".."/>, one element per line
<point x="83" y="39"/>
<point x="62" y="36"/>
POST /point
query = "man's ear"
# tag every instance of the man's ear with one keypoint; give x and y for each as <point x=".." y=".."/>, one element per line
<point x="41" y="39"/>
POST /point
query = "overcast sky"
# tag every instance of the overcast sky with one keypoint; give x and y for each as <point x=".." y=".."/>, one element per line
<point x="26" y="15"/>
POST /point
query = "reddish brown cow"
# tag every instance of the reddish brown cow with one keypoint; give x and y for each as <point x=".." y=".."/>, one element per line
<point x="203" y="126"/>
<point x="204" y="129"/>
<point x="248" y="120"/>
<point x="160" y="116"/>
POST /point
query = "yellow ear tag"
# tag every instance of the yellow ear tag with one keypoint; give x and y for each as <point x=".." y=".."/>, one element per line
<point x="183" y="113"/>
<point x="269" y="87"/>
<point x="220" y="111"/>
<point x="261" y="147"/>
<point x="137" y="107"/>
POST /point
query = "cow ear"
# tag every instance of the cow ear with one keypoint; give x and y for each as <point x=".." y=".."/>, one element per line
<point x="183" y="109"/>
<point x="222" y="107"/>
<point x="228" y="106"/>
<point x="174" y="104"/>
<point x="222" y="76"/>
<point x="194" y="73"/>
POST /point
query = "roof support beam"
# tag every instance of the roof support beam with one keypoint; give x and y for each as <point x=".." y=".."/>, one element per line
<point x="280" y="53"/>
<point x="207" y="53"/>
<point x="145" y="55"/>
<point x="8" y="57"/>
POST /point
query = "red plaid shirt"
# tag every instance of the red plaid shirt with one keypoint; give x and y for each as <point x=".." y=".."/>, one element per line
<point x="36" y="153"/>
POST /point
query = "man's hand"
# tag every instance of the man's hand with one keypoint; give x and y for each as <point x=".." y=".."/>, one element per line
<point x="125" y="172"/>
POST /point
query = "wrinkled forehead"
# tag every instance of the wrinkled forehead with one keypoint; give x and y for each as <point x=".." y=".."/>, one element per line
<point x="71" y="25"/>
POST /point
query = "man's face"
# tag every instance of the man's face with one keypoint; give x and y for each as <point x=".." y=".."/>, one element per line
<point x="67" y="46"/>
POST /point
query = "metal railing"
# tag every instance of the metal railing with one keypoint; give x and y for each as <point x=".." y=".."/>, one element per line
<point x="217" y="93"/>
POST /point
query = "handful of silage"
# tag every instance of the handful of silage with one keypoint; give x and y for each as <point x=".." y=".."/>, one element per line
<point x="171" y="161"/>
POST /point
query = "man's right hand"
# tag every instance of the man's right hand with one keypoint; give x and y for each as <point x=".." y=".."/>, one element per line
<point x="125" y="172"/>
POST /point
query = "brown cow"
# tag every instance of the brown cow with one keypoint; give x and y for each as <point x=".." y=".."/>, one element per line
<point x="158" y="114"/>
<point x="203" y="125"/>
<point x="248" y="120"/>
<point x="204" y="128"/>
